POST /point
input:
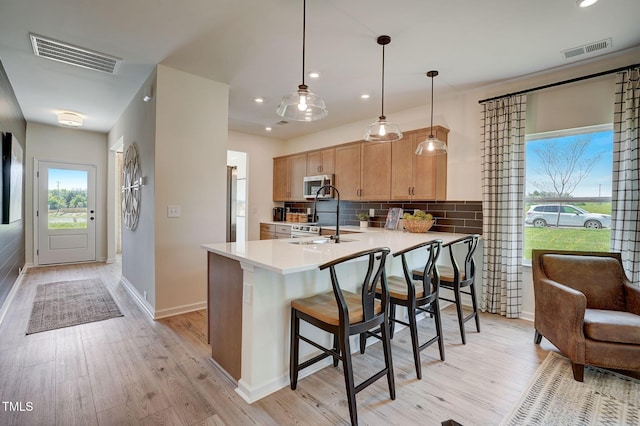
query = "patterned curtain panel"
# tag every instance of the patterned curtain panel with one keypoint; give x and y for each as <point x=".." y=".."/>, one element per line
<point x="503" y="163"/>
<point x="625" y="203"/>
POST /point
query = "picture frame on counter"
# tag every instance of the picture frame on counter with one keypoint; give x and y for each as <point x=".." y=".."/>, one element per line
<point x="393" y="216"/>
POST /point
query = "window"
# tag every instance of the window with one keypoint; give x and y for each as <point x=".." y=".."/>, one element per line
<point x="568" y="190"/>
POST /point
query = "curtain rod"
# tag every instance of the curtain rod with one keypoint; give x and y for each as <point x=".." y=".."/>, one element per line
<point x="560" y="83"/>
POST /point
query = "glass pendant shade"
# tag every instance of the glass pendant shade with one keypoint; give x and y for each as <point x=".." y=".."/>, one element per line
<point x="302" y="105"/>
<point x="433" y="145"/>
<point x="382" y="131"/>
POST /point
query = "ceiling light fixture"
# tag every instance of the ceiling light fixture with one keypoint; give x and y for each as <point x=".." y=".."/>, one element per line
<point x="69" y="119"/>
<point x="258" y="100"/>
<point x="585" y="3"/>
<point x="382" y="130"/>
<point x="364" y="96"/>
<point x="302" y="105"/>
<point x="432" y="146"/>
<point x="314" y="74"/>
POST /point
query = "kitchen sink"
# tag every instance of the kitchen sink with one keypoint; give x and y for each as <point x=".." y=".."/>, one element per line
<point x="319" y="241"/>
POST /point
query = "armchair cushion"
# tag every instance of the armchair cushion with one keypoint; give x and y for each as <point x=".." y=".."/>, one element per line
<point x="612" y="326"/>
<point x="598" y="278"/>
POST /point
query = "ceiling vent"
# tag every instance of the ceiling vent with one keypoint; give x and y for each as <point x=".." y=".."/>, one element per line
<point x="588" y="49"/>
<point x="73" y="55"/>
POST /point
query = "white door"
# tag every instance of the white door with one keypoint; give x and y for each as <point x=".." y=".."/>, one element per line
<point x="66" y="213"/>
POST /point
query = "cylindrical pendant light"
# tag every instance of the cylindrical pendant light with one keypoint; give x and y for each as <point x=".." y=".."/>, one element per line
<point x="302" y="105"/>
<point x="382" y="130"/>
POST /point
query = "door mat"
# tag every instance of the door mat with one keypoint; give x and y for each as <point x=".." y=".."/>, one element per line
<point x="68" y="303"/>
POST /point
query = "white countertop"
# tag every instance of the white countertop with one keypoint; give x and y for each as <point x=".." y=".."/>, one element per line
<point x="285" y="258"/>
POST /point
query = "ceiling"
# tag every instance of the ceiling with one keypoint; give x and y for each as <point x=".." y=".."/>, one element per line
<point x="256" y="48"/>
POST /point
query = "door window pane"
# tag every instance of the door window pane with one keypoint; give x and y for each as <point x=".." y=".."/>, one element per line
<point x="67" y="199"/>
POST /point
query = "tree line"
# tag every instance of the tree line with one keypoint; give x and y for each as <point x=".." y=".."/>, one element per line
<point x="67" y="198"/>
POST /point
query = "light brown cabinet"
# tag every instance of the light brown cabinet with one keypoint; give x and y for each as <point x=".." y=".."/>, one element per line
<point x="368" y="171"/>
<point x="321" y="162"/>
<point x="363" y="171"/>
<point x="288" y="174"/>
<point x="269" y="231"/>
<point x="418" y="177"/>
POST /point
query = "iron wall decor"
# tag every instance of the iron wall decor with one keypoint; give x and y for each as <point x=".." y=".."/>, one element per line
<point x="131" y="188"/>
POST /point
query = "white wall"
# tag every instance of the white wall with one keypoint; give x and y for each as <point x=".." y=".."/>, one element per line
<point x="191" y="164"/>
<point x="138" y="125"/>
<point x="260" y="152"/>
<point x="50" y="143"/>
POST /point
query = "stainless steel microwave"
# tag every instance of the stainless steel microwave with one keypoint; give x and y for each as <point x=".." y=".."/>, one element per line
<point x="313" y="183"/>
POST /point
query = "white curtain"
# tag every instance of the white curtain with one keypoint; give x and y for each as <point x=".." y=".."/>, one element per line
<point x="625" y="203"/>
<point x="503" y="163"/>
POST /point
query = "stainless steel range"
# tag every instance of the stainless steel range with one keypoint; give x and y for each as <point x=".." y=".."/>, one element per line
<point x="299" y="231"/>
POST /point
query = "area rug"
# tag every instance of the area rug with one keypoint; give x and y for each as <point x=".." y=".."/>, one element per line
<point x="67" y="303"/>
<point x="554" y="398"/>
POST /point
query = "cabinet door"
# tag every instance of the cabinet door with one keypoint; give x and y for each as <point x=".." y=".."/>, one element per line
<point x="280" y="179"/>
<point x="297" y="172"/>
<point x="376" y="171"/>
<point x="402" y="153"/>
<point x="429" y="172"/>
<point x="347" y="171"/>
<point x="321" y="162"/>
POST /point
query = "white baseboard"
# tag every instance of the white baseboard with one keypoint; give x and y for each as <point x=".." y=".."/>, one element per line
<point x="169" y="312"/>
<point x="110" y="260"/>
<point x="529" y="316"/>
<point x="162" y="313"/>
<point x="137" y="297"/>
<point x="7" y="302"/>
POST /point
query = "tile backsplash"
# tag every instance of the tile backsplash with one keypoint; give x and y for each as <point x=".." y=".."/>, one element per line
<point x="464" y="217"/>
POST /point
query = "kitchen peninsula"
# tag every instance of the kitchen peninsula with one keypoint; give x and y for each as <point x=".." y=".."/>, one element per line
<point x="251" y="285"/>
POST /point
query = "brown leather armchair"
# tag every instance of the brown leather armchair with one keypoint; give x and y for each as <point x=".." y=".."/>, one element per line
<point x="587" y="308"/>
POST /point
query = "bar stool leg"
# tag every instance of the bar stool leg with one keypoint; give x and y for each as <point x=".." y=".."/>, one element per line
<point x="386" y="345"/>
<point x="475" y="306"/>
<point x="456" y="292"/>
<point x="345" y="353"/>
<point x="438" y="319"/>
<point x="413" y="328"/>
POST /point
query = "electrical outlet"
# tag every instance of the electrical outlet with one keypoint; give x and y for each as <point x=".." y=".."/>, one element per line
<point x="173" y="211"/>
<point x="144" y="293"/>
<point x="372" y="212"/>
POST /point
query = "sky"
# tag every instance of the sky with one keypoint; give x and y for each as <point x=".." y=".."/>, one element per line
<point x="596" y="184"/>
<point x="69" y="179"/>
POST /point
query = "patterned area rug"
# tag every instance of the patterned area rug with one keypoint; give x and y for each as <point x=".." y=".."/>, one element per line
<point x="68" y="303"/>
<point x="554" y="398"/>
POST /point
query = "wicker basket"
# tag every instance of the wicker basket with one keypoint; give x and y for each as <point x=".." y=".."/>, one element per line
<point x="417" y="226"/>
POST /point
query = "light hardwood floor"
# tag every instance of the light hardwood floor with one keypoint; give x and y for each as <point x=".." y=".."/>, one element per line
<point x="132" y="370"/>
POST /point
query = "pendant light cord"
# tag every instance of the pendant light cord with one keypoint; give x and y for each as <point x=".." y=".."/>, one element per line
<point x="304" y="34"/>
<point x="431" y="129"/>
<point x="382" y="114"/>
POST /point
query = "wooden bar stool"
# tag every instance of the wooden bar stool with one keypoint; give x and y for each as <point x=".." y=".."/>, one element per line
<point x="456" y="279"/>
<point x="344" y="314"/>
<point x="417" y="296"/>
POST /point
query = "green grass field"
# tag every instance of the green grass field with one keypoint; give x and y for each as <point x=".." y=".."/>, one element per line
<point x="565" y="239"/>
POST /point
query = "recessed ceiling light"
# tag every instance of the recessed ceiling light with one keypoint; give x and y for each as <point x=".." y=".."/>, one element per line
<point x="70" y="119"/>
<point x="585" y="3"/>
<point x="314" y="74"/>
<point x="268" y="129"/>
<point x="258" y="100"/>
<point x="364" y="96"/>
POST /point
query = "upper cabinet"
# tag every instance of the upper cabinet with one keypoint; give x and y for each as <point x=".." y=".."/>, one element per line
<point x="363" y="171"/>
<point x="288" y="175"/>
<point x="321" y="162"/>
<point x="368" y="171"/>
<point x="418" y="177"/>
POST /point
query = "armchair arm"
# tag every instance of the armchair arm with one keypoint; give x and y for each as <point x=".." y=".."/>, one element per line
<point x="632" y="297"/>
<point x="559" y="316"/>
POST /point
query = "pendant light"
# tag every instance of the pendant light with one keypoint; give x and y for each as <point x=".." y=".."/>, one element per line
<point x="302" y="105"/>
<point x="382" y="130"/>
<point x="431" y="146"/>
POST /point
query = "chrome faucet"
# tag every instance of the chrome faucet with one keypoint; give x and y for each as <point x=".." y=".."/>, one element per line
<point x="335" y="237"/>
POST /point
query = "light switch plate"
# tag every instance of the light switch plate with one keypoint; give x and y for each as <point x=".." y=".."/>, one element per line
<point x="173" y="211"/>
<point x="372" y="212"/>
